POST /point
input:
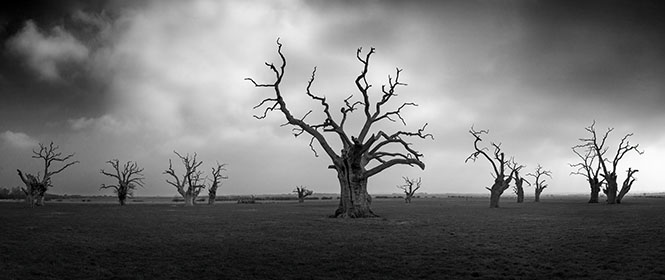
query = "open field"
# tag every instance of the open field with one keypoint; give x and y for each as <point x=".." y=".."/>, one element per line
<point x="430" y="238"/>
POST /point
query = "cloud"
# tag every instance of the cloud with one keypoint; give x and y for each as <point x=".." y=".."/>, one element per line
<point x="46" y="53"/>
<point x="18" y="140"/>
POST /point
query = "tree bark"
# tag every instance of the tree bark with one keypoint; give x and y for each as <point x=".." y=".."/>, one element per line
<point x="595" y="189"/>
<point x="520" y="191"/>
<point x="212" y="196"/>
<point x="407" y="199"/>
<point x="537" y="199"/>
<point x="354" y="200"/>
<point x="189" y="199"/>
<point x="500" y="185"/>
<point x="611" y="191"/>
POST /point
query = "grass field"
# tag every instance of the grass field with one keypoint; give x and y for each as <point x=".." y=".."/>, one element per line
<point x="443" y="238"/>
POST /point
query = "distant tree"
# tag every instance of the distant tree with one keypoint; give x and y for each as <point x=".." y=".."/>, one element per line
<point x="609" y="172"/>
<point x="37" y="185"/>
<point x="128" y="179"/>
<point x="586" y="168"/>
<point x="302" y="193"/>
<point x="519" y="181"/>
<point x="217" y="178"/>
<point x="539" y="183"/>
<point x="361" y="156"/>
<point x="627" y="184"/>
<point x="410" y="187"/>
<point x="499" y="163"/>
<point x="191" y="183"/>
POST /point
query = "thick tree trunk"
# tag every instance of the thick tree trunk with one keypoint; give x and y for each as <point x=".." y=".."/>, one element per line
<point x="189" y="199"/>
<point x="500" y="185"/>
<point x="354" y="200"/>
<point x="122" y="197"/>
<point x="611" y="190"/>
<point x="122" y="201"/>
<point x="30" y="199"/>
<point x="211" y="198"/>
<point x="537" y="199"/>
<point x="595" y="189"/>
<point x="39" y="200"/>
<point x="301" y="199"/>
<point x="407" y="199"/>
<point x="520" y="193"/>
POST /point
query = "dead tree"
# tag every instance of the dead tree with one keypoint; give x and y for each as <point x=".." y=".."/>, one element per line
<point x="609" y="172"/>
<point x="519" y="181"/>
<point x="501" y="181"/>
<point x="539" y="183"/>
<point x="217" y="178"/>
<point x="189" y="186"/>
<point x="410" y="187"/>
<point x="302" y="193"/>
<point x="128" y="179"/>
<point x="586" y="168"/>
<point x="36" y="186"/>
<point x="627" y="184"/>
<point x="363" y="155"/>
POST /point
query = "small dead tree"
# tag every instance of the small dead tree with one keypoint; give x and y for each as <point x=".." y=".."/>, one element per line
<point x="539" y="183"/>
<point x="217" y="178"/>
<point x="36" y="186"/>
<point x="302" y="193"/>
<point x="410" y="187"/>
<point x="501" y="181"/>
<point x="586" y="168"/>
<point x="609" y="172"/>
<point x="519" y="181"/>
<point x="362" y="156"/>
<point x="189" y="186"/>
<point x="128" y="179"/>
<point x="627" y="184"/>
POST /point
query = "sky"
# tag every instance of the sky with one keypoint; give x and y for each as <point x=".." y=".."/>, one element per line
<point x="136" y="80"/>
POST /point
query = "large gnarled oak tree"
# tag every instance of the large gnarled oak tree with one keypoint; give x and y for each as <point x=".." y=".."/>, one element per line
<point x="129" y="177"/>
<point x="499" y="164"/>
<point x="36" y="187"/>
<point x="610" y="171"/>
<point x="363" y="155"/>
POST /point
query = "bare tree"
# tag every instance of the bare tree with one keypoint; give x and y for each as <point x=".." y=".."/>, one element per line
<point x="519" y="181"/>
<point x="501" y="181"/>
<point x="609" y="173"/>
<point x="410" y="187"/>
<point x="36" y="186"/>
<point x="217" y="178"/>
<point x="586" y="168"/>
<point x="128" y="178"/>
<point x="627" y="184"/>
<point x="539" y="183"/>
<point x="362" y="156"/>
<point x="302" y="193"/>
<point x="190" y="185"/>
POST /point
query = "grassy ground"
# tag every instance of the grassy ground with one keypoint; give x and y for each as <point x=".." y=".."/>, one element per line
<point x="430" y="238"/>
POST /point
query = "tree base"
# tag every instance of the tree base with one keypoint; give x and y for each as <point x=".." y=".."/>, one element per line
<point x="354" y="213"/>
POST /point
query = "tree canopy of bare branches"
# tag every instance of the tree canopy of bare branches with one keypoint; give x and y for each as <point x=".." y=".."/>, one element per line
<point x="538" y="181"/>
<point x="302" y="193"/>
<point x="410" y="187"/>
<point x="37" y="185"/>
<point x="129" y="177"/>
<point x="498" y="162"/>
<point x="609" y="166"/>
<point x="216" y="182"/>
<point x="190" y="184"/>
<point x="363" y="155"/>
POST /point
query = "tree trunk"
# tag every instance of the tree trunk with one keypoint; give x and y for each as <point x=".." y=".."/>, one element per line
<point x="189" y="199"/>
<point x="611" y="190"/>
<point x="122" y="197"/>
<point x="537" y="199"/>
<point x="122" y="201"/>
<point x="354" y="200"/>
<point x="301" y="199"/>
<point x="595" y="189"/>
<point x="520" y="193"/>
<point x="623" y="192"/>
<point x="407" y="199"/>
<point x="500" y="185"/>
<point x="39" y="200"/>
<point x="211" y="198"/>
<point x="30" y="199"/>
